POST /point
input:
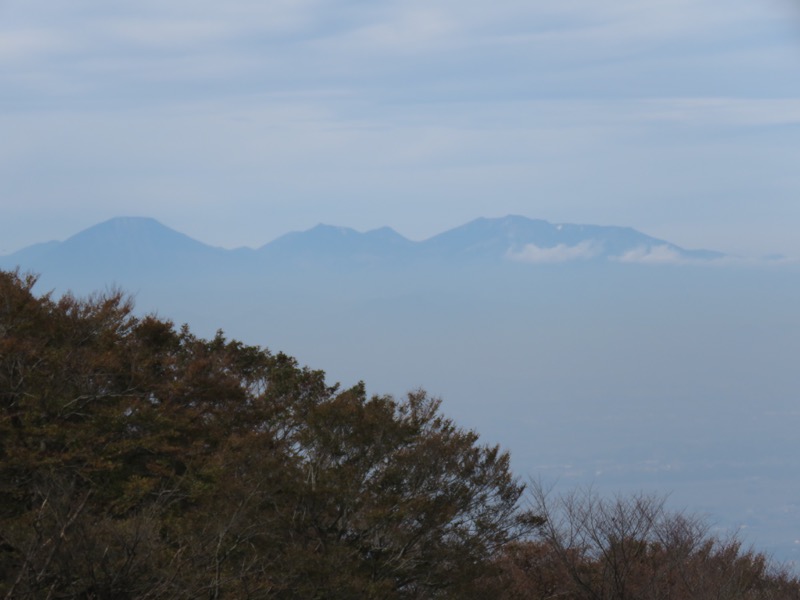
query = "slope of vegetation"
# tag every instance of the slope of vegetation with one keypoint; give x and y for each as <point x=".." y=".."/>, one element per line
<point x="139" y="461"/>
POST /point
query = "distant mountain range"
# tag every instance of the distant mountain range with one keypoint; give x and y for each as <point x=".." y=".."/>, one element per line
<point x="137" y="245"/>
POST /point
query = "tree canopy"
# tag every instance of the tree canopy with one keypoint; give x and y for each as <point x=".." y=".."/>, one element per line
<point x="140" y="461"/>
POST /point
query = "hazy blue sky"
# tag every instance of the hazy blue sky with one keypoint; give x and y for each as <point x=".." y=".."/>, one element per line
<point x="235" y="122"/>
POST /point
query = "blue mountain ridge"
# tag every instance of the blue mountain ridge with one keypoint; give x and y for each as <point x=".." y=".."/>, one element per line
<point x="143" y="244"/>
<point x="535" y="240"/>
<point x="328" y="243"/>
<point x="122" y="242"/>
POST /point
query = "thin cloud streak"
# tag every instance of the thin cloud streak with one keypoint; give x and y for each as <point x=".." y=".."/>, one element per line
<point x="531" y="253"/>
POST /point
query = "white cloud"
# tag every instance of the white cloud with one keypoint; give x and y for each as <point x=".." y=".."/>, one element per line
<point x="667" y="255"/>
<point x="532" y="253"/>
<point x="741" y="112"/>
<point x="29" y="44"/>
<point x="412" y="32"/>
<point x="167" y="33"/>
<point x="663" y="255"/>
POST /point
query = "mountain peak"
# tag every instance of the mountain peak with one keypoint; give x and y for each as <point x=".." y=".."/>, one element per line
<point x="340" y="244"/>
<point x="123" y="227"/>
<point x="137" y="239"/>
<point x="119" y="245"/>
<point x="521" y="239"/>
<point x="331" y="229"/>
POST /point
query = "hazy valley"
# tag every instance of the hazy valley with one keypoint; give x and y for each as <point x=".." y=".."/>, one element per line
<point x="597" y="355"/>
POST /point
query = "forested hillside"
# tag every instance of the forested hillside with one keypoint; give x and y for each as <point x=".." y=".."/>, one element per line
<point x="140" y="461"/>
